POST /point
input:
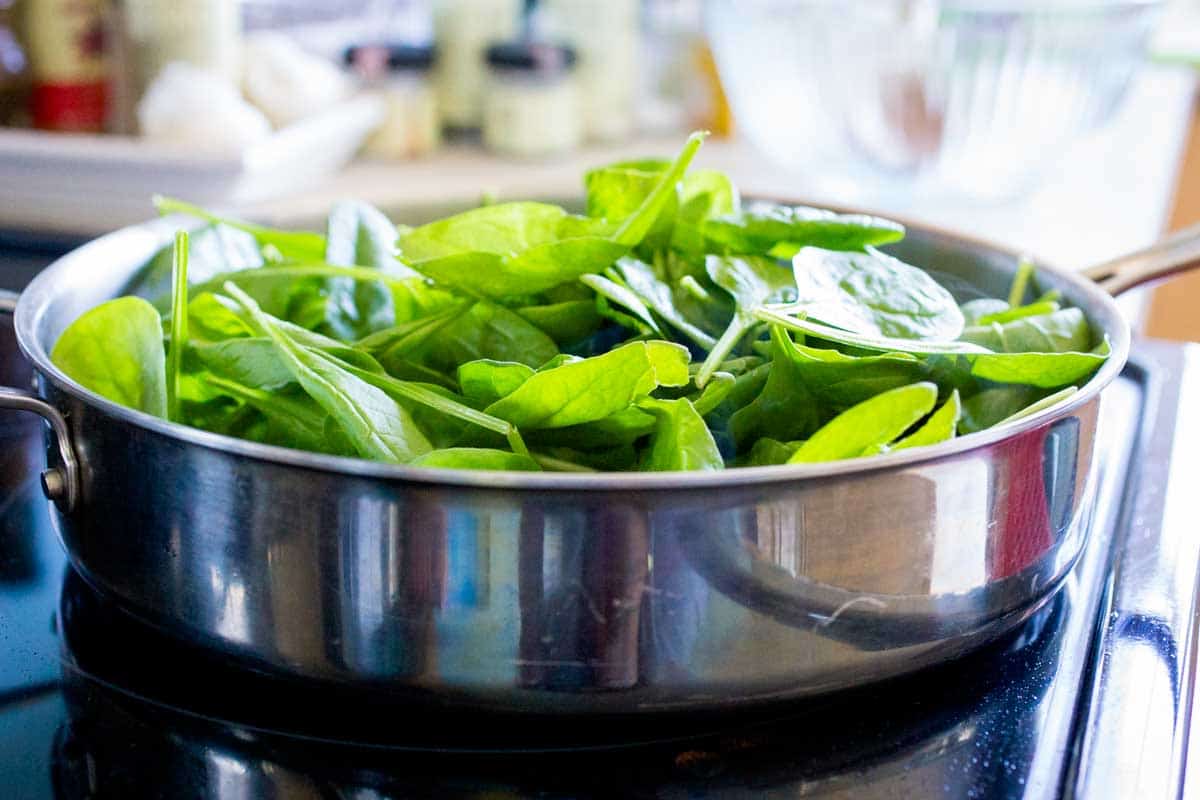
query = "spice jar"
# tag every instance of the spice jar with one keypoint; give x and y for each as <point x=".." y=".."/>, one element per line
<point x="67" y="63"/>
<point x="204" y="33"/>
<point x="462" y="31"/>
<point x="400" y="74"/>
<point x="531" y="105"/>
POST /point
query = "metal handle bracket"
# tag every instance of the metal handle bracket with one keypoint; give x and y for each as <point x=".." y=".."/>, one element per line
<point x="60" y="484"/>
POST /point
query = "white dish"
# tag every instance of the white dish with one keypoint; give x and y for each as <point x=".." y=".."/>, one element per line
<point x="87" y="184"/>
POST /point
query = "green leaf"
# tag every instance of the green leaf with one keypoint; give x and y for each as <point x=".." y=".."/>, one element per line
<point x="1058" y="332"/>
<point x="593" y="388"/>
<point x="361" y="235"/>
<point x="752" y="282"/>
<point x="874" y="422"/>
<point x="293" y="420"/>
<point x="779" y="315"/>
<point x="874" y="294"/>
<point x="567" y="322"/>
<point x="995" y="404"/>
<point x="488" y="330"/>
<point x="375" y="424"/>
<point x="785" y="408"/>
<point x="179" y="324"/>
<point x="622" y="295"/>
<point x="292" y="245"/>
<point x="252" y="361"/>
<point x="1044" y="370"/>
<point x="640" y="279"/>
<point x="1010" y="314"/>
<point x="761" y="227"/>
<point x="501" y="229"/>
<point x="767" y="452"/>
<point x="635" y="226"/>
<point x="213" y="249"/>
<point x="527" y="272"/>
<point x="842" y="380"/>
<point x="116" y="351"/>
<point x="681" y="440"/>
<point x="975" y="310"/>
<point x="477" y="458"/>
<point x="940" y="427"/>
<point x="1040" y="405"/>
<point x="486" y="381"/>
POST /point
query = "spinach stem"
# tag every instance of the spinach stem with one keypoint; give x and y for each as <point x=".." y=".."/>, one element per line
<point x="1020" y="282"/>
<point x="179" y="323"/>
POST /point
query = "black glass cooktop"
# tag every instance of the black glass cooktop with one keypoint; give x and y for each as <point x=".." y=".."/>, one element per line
<point x="1091" y="698"/>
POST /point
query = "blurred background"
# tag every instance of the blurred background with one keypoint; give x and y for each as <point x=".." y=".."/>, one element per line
<point x="1065" y="128"/>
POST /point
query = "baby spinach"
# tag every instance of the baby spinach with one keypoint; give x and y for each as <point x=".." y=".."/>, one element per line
<point x="477" y="458"/>
<point x="593" y="388"/>
<point x="761" y="228"/>
<point x="940" y="427"/>
<point x="752" y="282"/>
<point x="116" y="350"/>
<point x="871" y="423"/>
<point x="374" y="423"/>
<point x="179" y="324"/>
<point x="681" y="440"/>
<point x="874" y="294"/>
<point x="636" y="337"/>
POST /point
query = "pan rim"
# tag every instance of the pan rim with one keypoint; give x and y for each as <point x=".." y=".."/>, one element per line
<point x="1098" y="305"/>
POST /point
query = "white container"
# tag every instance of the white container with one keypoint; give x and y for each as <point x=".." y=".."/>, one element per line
<point x="531" y="106"/>
<point x="607" y="38"/>
<point x="463" y="29"/>
<point x="400" y="75"/>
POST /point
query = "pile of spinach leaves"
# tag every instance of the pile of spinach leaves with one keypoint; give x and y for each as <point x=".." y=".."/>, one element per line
<point x="672" y="327"/>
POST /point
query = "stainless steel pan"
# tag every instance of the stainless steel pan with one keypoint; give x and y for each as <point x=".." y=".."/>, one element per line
<point x="570" y="593"/>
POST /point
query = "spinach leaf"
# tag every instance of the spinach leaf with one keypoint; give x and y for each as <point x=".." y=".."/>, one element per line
<point x="785" y="408"/>
<point x="1058" y="332"/>
<point x="768" y="452"/>
<point x="761" y="227"/>
<point x="616" y="191"/>
<point x="529" y="271"/>
<point x="842" y="381"/>
<point x="1009" y="314"/>
<point x="361" y="235"/>
<point x="873" y="422"/>
<point x="993" y="405"/>
<point x="975" y="310"/>
<point x="612" y="291"/>
<point x="486" y="381"/>
<point x="567" y="322"/>
<point x="179" y="324"/>
<point x="595" y="387"/>
<point x="1040" y="405"/>
<point x="621" y="429"/>
<point x="477" y="458"/>
<point x="375" y="424"/>
<point x="252" y="361"/>
<point x="681" y="440"/>
<point x="488" y="330"/>
<point x="703" y="195"/>
<point x="1044" y="370"/>
<point x="212" y="249"/>
<point x="779" y="315"/>
<point x="637" y="225"/>
<point x="293" y="420"/>
<point x="752" y="282"/>
<point x="116" y="351"/>
<point x="640" y="279"/>
<point x="874" y="294"/>
<point x="400" y="340"/>
<point x="292" y="245"/>
<point x="940" y="427"/>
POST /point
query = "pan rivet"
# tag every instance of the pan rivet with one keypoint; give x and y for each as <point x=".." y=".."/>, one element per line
<point x="53" y="484"/>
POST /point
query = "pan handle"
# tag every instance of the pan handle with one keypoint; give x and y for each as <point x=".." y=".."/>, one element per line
<point x="1177" y="253"/>
<point x="60" y="484"/>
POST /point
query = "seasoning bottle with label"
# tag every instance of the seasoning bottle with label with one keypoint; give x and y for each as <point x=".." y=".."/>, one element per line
<point x="65" y="43"/>
<point x="531" y="104"/>
<point x="462" y="31"/>
<point x="400" y="73"/>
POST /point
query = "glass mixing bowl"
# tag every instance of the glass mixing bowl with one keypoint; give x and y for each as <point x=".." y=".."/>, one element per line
<point x="961" y="97"/>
